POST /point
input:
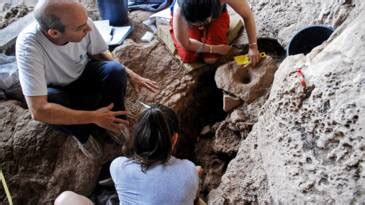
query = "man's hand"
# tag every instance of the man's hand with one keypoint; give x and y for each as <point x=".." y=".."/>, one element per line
<point x="107" y="119"/>
<point x="138" y="82"/>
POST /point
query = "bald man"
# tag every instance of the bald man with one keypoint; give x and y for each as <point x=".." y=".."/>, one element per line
<point x="69" y="78"/>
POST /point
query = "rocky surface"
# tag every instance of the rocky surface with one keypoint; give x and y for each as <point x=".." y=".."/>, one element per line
<point x="39" y="162"/>
<point x="302" y="145"/>
<point x="214" y="165"/>
<point x="308" y="144"/>
<point x="11" y="10"/>
<point x="10" y="14"/>
<point x="282" y="19"/>
<point x="245" y="81"/>
<point x="236" y="127"/>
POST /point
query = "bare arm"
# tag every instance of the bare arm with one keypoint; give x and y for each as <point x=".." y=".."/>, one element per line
<point x="53" y="113"/>
<point x="180" y="26"/>
<point x="243" y="9"/>
<point x="136" y="80"/>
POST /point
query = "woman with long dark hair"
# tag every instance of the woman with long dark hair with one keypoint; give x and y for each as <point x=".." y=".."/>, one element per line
<point x="201" y="27"/>
<point x="151" y="175"/>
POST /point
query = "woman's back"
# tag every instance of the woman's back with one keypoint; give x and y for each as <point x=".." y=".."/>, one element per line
<point x="174" y="182"/>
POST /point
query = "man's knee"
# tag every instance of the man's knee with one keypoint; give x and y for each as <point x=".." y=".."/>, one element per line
<point x="114" y="67"/>
<point x="116" y="71"/>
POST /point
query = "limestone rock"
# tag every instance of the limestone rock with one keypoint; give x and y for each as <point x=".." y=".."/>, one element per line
<point x="39" y="162"/>
<point x="214" y="166"/>
<point x="228" y="138"/>
<point x="242" y="188"/>
<point x="282" y="19"/>
<point x="230" y="102"/>
<point x="308" y="144"/>
<point x="236" y="127"/>
<point x="244" y="81"/>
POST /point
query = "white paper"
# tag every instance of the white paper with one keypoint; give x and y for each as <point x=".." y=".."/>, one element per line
<point x="112" y="35"/>
<point x="166" y="13"/>
<point x="120" y="34"/>
<point x="147" y="37"/>
<point x="105" y="29"/>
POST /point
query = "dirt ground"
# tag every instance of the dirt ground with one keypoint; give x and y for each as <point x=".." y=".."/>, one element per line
<point x="11" y="10"/>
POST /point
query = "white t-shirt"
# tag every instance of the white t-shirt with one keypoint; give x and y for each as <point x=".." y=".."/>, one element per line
<point x="41" y="62"/>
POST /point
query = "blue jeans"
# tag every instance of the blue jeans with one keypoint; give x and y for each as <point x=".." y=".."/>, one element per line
<point x="101" y="83"/>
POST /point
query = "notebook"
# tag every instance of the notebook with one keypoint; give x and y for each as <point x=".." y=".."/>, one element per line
<point x="112" y="35"/>
<point x="119" y="34"/>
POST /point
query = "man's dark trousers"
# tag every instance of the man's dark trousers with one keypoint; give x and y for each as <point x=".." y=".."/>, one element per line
<point x="101" y="83"/>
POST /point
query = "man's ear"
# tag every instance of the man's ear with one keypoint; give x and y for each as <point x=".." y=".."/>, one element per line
<point x="54" y="33"/>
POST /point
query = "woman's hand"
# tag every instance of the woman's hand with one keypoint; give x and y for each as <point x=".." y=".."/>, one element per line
<point x="254" y="55"/>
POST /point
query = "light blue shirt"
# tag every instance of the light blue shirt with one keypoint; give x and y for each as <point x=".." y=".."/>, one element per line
<point x="173" y="183"/>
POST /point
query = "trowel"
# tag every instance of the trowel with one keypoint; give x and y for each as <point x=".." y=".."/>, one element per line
<point x="245" y="59"/>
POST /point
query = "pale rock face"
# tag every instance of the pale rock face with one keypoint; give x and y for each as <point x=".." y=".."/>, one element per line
<point x="280" y="20"/>
<point x="308" y="144"/>
<point x="245" y="81"/>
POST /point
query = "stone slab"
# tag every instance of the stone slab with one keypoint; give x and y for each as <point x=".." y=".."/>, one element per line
<point x="9" y="34"/>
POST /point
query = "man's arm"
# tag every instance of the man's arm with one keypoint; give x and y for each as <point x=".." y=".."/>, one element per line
<point x="136" y="80"/>
<point x="52" y="113"/>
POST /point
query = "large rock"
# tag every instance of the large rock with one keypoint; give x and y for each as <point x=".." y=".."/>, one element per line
<point x="214" y="165"/>
<point x="308" y="144"/>
<point x="282" y="19"/>
<point x="236" y="127"/>
<point x="245" y="81"/>
<point x="192" y="94"/>
<point x="40" y="162"/>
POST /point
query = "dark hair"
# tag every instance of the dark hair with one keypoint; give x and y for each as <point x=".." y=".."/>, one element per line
<point x="152" y="136"/>
<point x="199" y="10"/>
